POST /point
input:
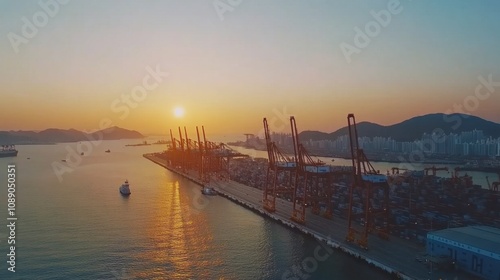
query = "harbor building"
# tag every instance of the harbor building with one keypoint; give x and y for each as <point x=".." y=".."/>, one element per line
<point x="475" y="249"/>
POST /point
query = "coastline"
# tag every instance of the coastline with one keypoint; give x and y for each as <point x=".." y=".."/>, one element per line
<point x="332" y="243"/>
<point x="399" y="263"/>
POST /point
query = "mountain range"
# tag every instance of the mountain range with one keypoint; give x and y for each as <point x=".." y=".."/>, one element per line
<point x="413" y="129"/>
<point x="54" y="135"/>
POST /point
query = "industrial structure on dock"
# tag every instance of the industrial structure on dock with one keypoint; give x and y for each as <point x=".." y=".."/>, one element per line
<point x="409" y="204"/>
<point x="475" y="249"/>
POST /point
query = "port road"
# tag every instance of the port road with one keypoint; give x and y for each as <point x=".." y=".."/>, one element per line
<point x="396" y="254"/>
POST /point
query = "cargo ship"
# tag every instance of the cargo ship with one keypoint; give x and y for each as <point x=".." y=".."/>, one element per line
<point x="8" y="151"/>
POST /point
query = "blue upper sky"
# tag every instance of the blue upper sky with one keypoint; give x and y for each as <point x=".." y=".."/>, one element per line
<point x="246" y="62"/>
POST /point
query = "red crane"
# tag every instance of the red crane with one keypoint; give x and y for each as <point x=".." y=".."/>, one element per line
<point x="372" y="216"/>
<point x="201" y="151"/>
<point x="466" y="179"/>
<point x="182" y="151"/>
<point x="395" y="170"/>
<point x="208" y="158"/>
<point x="189" y="153"/>
<point x="312" y="181"/>
<point x="279" y="165"/>
<point x="434" y="169"/>
<point x="174" y="154"/>
<point x="494" y="185"/>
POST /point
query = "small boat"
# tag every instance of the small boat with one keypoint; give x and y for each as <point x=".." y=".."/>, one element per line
<point x="208" y="191"/>
<point x="125" y="188"/>
<point x="107" y="151"/>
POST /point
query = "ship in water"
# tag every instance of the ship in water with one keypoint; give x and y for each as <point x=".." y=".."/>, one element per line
<point x="208" y="191"/>
<point x="8" y="151"/>
<point x="125" y="188"/>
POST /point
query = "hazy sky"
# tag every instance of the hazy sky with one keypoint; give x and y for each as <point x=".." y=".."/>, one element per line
<point x="230" y="62"/>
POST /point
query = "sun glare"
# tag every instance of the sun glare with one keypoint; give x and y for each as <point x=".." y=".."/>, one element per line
<point x="178" y="112"/>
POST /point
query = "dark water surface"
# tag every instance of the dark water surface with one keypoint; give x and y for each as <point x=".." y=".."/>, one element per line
<point x="82" y="228"/>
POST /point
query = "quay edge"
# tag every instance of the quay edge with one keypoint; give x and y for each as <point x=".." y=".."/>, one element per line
<point x="292" y="225"/>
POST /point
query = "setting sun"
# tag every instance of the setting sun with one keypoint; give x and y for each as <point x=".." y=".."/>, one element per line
<point x="178" y="112"/>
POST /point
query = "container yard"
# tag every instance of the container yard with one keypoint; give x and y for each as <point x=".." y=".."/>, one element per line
<point x="382" y="219"/>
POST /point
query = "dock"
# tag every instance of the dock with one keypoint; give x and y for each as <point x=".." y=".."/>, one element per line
<point x="397" y="256"/>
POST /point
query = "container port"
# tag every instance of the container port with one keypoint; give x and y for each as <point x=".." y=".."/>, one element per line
<point x="382" y="219"/>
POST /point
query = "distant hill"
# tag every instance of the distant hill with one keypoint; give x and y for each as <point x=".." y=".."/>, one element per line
<point x="414" y="128"/>
<point x="54" y="135"/>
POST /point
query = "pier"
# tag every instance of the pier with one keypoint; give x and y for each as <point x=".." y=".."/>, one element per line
<point x="397" y="256"/>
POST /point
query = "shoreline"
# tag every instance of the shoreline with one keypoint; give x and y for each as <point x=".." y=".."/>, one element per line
<point x="334" y="244"/>
<point x="462" y="166"/>
<point x="397" y="257"/>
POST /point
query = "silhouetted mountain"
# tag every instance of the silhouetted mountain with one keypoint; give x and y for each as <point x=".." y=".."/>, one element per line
<point x="414" y="128"/>
<point x="115" y="133"/>
<point x="59" y="135"/>
<point x="54" y="135"/>
<point x="313" y="135"/>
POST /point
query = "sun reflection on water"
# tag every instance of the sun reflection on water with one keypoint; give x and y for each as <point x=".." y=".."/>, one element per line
<point x="178" y="234"/>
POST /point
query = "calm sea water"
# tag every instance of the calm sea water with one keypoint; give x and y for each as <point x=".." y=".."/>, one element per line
<point x="82" y="228"/>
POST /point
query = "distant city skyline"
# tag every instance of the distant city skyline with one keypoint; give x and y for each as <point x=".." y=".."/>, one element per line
<point x="163" y="64"/>
<point x="466" y="143"/>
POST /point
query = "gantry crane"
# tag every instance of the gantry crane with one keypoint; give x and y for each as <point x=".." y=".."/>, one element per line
<point x="182" y="151"/>
<point x="201" y="150"/>
<point x="494" y="185"/>
<point x="466" y="179"/>
<point x="190" y="157"/>
<point x="371" y="216"/>
<point x="434" y="169"/>
<point x="395" y="170"/>
<point x="208" y="158"/>
<point x="173" y="153"/>
<point x="280" y="172"/>
<point x="312" y="181"/>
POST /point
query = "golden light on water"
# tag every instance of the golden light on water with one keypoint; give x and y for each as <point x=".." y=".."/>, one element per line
<point x="179" y="234"/>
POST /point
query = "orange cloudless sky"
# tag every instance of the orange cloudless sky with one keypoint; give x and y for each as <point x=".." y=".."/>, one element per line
<point x="156" y="65"/>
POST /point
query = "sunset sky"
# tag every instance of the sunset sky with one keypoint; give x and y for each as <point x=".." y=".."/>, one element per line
<point x="229" y="66"/>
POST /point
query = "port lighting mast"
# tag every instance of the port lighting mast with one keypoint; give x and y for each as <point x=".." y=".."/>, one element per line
<point x="371" y="215"/>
